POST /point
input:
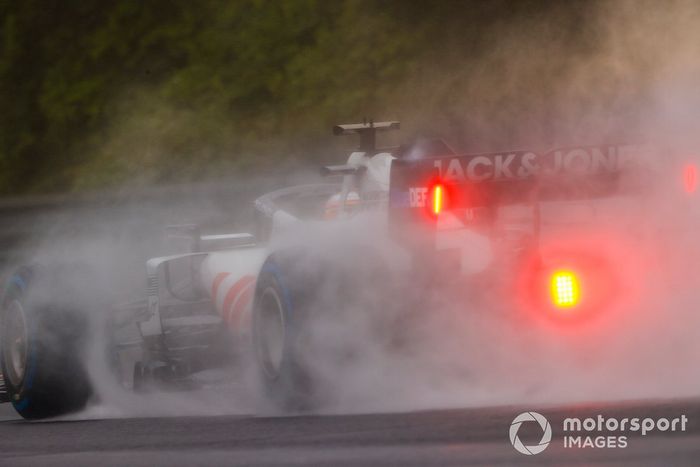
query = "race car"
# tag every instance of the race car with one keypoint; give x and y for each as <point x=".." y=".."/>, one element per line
<point x="255" y="295"/>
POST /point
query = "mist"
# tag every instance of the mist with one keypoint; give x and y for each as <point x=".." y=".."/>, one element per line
<point x="631" y="76"/>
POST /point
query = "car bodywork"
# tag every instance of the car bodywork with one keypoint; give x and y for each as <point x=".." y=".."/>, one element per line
<point x="220" y="272"/>
<point x="198" y="307"/>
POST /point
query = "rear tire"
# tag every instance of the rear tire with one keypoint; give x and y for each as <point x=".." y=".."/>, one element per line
<point x="280" y="312"/>
<point x="296" y="290"/>
<point x="43" y="332"/>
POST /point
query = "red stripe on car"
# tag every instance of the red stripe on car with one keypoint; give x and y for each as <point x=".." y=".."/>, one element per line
<point x="217" y="282"/>
<point x="233" y="292"/>
<point x="240" y="305"/>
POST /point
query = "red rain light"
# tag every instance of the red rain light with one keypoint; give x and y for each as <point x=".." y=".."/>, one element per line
<point x="438" y="198"/>
<point x="565" y="290"/>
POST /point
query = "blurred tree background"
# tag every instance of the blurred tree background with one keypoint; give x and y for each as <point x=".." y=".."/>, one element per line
<point x="98" y="93"/>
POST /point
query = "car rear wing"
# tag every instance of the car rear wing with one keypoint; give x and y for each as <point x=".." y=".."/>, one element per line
<point x="491" y="180"/>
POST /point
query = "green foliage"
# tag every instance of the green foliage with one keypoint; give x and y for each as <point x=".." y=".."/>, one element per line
<point x="95" y="93"/>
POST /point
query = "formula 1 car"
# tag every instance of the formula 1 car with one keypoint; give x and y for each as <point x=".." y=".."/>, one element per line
<point x="253" y="291"/>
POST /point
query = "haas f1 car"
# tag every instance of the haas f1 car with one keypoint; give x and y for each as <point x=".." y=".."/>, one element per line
<point x="248" y="291"/>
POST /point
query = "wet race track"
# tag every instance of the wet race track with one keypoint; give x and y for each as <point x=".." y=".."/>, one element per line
<point x="447" y="437"/>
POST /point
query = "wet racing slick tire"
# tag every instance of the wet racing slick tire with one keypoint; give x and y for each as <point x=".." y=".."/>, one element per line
<point x="293" y="291"/>
<point x="43" y="333"/>
<point x="280" y="311"/>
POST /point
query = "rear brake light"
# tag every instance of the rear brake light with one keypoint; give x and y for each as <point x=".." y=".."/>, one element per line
<point x="565" y="289"/>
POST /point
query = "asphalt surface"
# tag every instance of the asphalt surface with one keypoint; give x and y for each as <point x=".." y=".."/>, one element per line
<point x="446" y="437"/>
<point x="475" y="436"/>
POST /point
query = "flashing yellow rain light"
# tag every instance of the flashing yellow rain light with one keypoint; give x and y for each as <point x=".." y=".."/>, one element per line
<point x="565" y="289"/>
